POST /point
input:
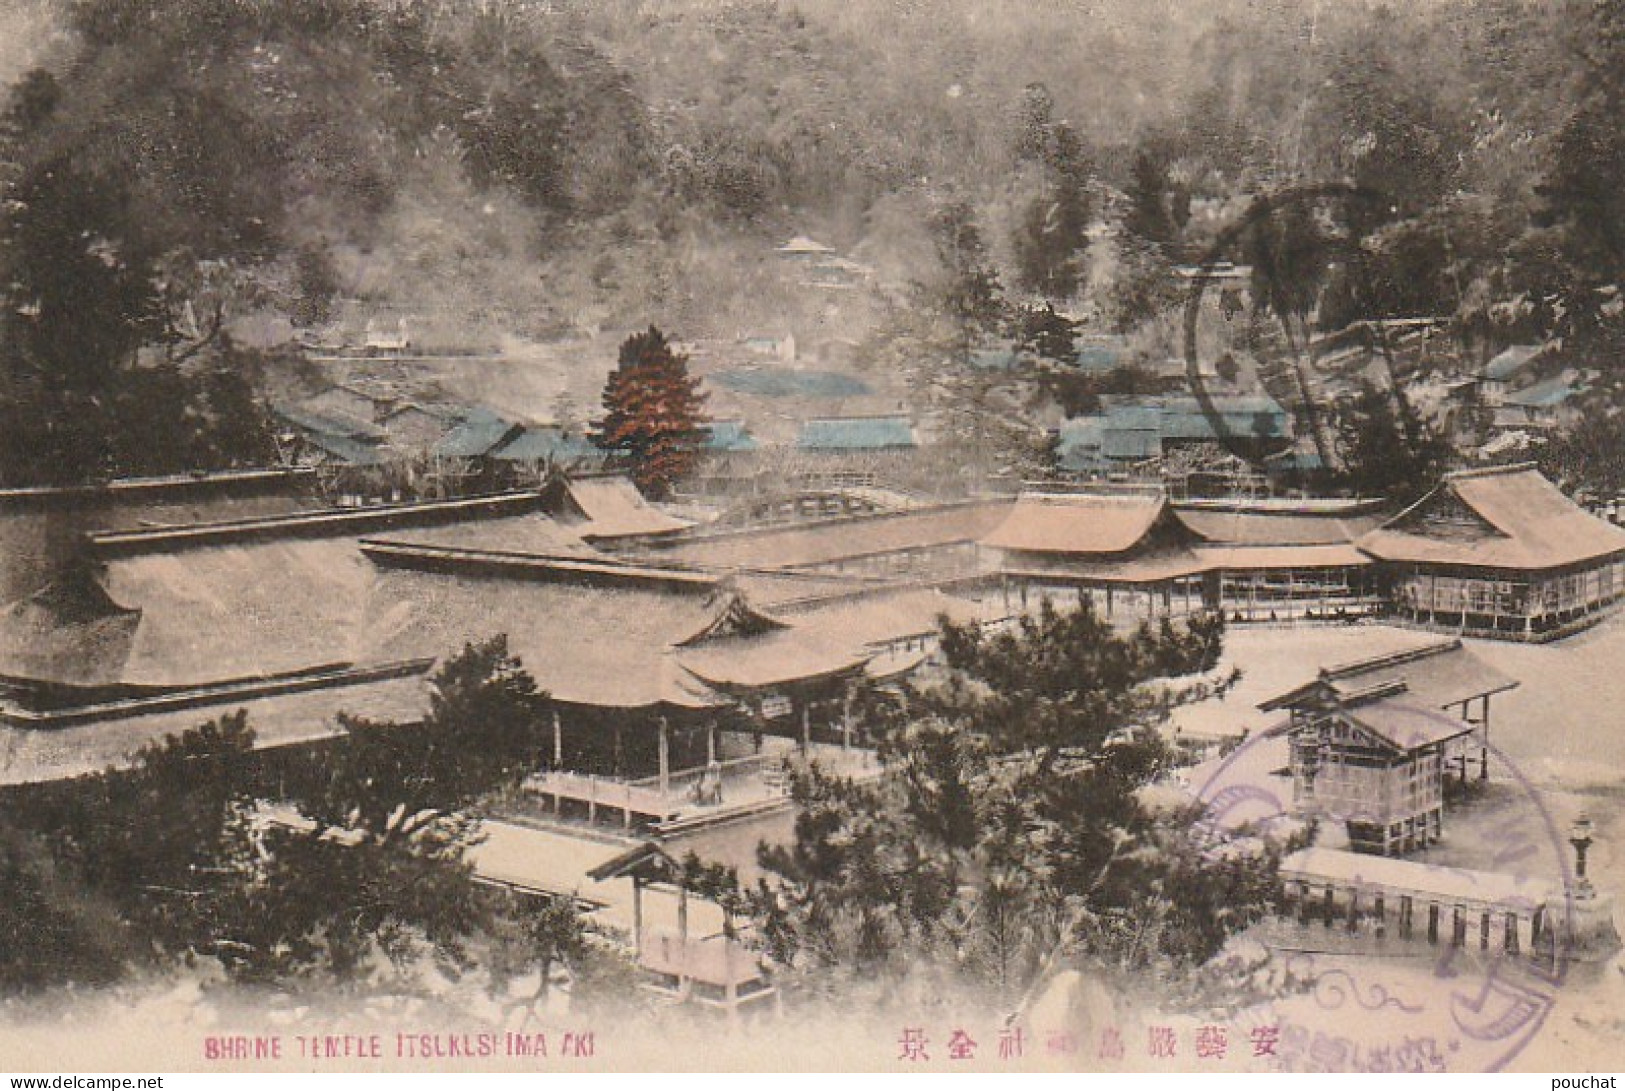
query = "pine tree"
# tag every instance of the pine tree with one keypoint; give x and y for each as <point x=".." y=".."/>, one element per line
<point x="1151" y="201"/>
<point x="653" y="413"/>
<point x="1007" y="836"/>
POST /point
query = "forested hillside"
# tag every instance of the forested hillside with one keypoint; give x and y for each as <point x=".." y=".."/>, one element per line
<point x="535" y="168"/>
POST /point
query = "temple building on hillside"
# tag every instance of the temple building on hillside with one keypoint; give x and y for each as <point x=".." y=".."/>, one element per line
<point x="1499" y="552"/>
<point x="1373" y="742"/>
<point x="855" y="450"/>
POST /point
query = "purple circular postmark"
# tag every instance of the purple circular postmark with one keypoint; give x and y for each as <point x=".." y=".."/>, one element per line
<point x="1443" y="949"/>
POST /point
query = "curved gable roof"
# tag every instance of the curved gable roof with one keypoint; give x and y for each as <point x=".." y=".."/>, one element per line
<point x="1082" y="523"/>
<point x="1505" y="517"/>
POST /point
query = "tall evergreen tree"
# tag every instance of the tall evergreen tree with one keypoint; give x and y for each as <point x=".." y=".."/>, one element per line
<point x="1054" y="231"/>
<point x="1387" y="450"/>
<point x="653" y="413"/>
<point x="1156" y="210"/>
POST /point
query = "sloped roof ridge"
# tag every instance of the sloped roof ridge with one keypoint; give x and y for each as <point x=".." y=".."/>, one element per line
<point x="1106" y="490"/>
<point x="1490" y="471"/>
<point x="1392" y="687"/>
<point x="707" y="533"/>
<point x="1444" y="484"/>
<point x="214" y="531"/>
<point x="1357" y="667"/>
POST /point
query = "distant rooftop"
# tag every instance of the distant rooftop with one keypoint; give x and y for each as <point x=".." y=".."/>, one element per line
<point x="479" y="434"/>
<point x="549" y="443"/>
<point x="1214" y="270"/>
<point x="728" y="436"/>
<point x="1546" y="394"/>
<point x="1508" y="362"/>
<point x="801" y="244"/>
<point x="1098" y="355"/>
<point x="856" y="434"/>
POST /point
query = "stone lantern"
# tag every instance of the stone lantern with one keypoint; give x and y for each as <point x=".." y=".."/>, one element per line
<point x="1580" y="836"/>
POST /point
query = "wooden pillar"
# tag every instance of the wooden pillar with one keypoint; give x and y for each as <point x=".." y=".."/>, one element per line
<point x="1458" y="926"/>
<point x="682" y="932"/>
<point x="682" y="909"/>
<point x="1433" y="922"/>
<point x="637" y="916"/>
<point x="1407" y="909"/>
<point x="806" y="725"/>
<point x="1510" y="943"/>
<point x="558" y="741"/>
<point x="1382" y="918"/>
<point x="592" y="797"/>
<point x="1484" y="931"/>
<point x="711" y="743"/>
<point x="846" y="719"/>
<point x="1330" y="906"/>
<point x="1354" y="910"/>
<point x="665" y="757"/>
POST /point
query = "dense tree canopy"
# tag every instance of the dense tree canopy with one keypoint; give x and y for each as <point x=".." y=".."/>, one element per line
<point x="1007" y="836"/>
<point x="530" y="166"/>
<point x="1388" y="451"/>
<point x="359" y="876"/>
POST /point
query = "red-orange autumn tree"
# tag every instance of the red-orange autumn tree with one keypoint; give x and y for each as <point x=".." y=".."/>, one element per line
<point x="653" y="422"/>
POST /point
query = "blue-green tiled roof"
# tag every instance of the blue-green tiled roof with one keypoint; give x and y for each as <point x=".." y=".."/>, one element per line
<point x="1098" y="358"/>
<point x="726" y="436"/>
<point x="779" y="382"/>
<point x="1241" y="416"/>
<point x="350" y="451"/>
<point x="1508" y="362"/>
<point x="1130" y="443"/>
<point x="993" y="359"/>
<point x="1079" y="444"/>
<point x="549" y="443"/>
<point x="1544" y="394"/>
<point x="856" y="434"/>
<point x="475" y="436"/>
<point x="328" y="424"/>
